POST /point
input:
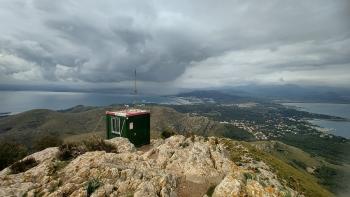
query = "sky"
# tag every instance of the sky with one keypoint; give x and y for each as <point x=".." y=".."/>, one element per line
<point x="85" y="44"/>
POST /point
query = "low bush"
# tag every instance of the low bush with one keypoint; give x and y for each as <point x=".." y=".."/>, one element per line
<point x="23" y="165"/>
<point x="72" y="150"/>
<point x="166" y="134"/>
<point x="96" y="143"/>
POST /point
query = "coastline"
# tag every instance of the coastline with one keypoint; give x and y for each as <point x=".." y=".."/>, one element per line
<point x="333" y="125"/>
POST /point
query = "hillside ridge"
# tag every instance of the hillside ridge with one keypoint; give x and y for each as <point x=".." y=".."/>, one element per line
<point x="176" y="166"/>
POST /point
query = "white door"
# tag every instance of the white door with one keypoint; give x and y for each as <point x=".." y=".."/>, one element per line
<point x="115" y="125"/>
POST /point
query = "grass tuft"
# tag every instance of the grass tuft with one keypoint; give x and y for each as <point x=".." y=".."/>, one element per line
<point x="92" y="185"/>
<point x="56" y="166"/>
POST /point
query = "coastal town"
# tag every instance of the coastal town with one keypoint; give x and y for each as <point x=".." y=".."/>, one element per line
<point x="264" y="121"/>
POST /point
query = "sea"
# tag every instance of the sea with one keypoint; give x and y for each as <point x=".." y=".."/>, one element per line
<point x="340" y="128"/>
<point x="12" y="102"/>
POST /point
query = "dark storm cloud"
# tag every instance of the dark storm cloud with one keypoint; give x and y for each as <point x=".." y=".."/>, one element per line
<point x="181" y="42"/>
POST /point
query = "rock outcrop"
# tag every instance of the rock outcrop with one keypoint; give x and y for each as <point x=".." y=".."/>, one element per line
<point x="177" y="166"/>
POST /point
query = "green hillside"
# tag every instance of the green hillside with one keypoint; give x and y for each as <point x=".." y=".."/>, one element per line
<point x="331" y="176"/>
<point x="28" y="126"/>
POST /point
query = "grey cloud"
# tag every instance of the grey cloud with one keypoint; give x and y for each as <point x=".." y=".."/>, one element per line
<point x="92" y="41"/>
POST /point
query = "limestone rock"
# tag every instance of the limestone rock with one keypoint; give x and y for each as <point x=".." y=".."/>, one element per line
<point x="230" y="186"/>
<point x="121" y="144"/>
<point x="177" y="166"/>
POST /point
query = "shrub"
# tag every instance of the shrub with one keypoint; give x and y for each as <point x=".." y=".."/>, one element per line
<point x="96" y="143"/>
<point x="72" y="150"/>
<point x="211" y="190"/>
<point x="92" y="185"/>
<point x="166" y="134"/>
<point x="11" y="152"/>
<point x="23" y="165"/>
<point x="46" y="141"/>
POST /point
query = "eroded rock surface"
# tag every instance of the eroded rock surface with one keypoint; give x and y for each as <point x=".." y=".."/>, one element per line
<point x="177" y="166"/>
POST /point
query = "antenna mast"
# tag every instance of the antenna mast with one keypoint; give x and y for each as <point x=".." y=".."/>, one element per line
<point x="135" y="87"/>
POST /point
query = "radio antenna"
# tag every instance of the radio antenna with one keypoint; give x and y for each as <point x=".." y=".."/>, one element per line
<point x="135" y="87"/>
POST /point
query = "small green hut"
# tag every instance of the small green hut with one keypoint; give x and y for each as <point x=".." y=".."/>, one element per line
<point x="133" y="124"/>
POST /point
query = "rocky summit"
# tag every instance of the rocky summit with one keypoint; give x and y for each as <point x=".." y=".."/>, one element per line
<point x="176" y="166"/>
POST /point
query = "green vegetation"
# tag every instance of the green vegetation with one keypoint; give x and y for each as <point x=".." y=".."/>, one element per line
<point x="46" y="141"/>
<point x="288" y="126"/>
<point x="334" y="178"/>
<point x="29" y="126"/>
<point x="23" y="165"/>
<point x="248" y="175"/>
<point x="96" y="143"/>
<point x="211" y="190"/>
<point x="166" y="133"/>
<point x="72" y="150"/>
<point x="92" y="185"/>
<point x="10" y="152"/>
<point x="38" y="129"/>
<point x="334" y="150"/>
<point x="287" y="174"/>
<point x="298" y="164"/>
<point x="288" y="154"/>
<point x="77" y="137"/>
<point x="295" y="179"/>
<point x="236" y="133"/>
